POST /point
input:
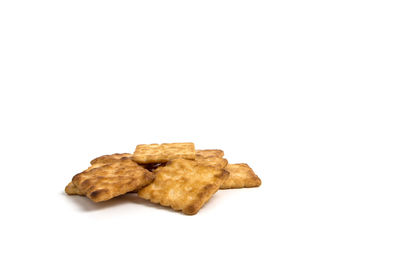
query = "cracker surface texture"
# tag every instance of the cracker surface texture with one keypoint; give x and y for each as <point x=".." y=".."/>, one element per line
<point x="216" y="162"/>
<point x="184" y="185"/>
<point x="107" y="159"/>
<point x="71" y="189"/>
<point x="155" y="153"/>
<point x="111" y="180"/>
<point x="210" y="153"/>
<point x="240" y="176"/>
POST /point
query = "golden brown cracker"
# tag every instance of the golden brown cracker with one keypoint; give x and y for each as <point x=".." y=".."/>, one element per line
<point x="240" y="175"/>
<point x="71" y="189"/>
<point x="216" y="162"/>
<point x="106" y="159"/>
<point x="111" y="180"/>
<point x="155" y="153"/>
<point x="210" y="153"/>
<point x="184" y="185"/>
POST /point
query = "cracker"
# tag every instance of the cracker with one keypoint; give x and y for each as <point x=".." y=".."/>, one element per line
<point x="210" y="153"/>
<point x="240" y="175"/>
<point x="155" y="153"/>
<point x="104" y="182"/>
<point x="184" y="185"/>
<point x="106" y="159"/>
<point x="216" y="162"/>
<point x="71" y="189"/>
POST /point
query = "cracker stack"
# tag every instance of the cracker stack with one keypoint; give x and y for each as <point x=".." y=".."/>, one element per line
<point x="174" y="175"/>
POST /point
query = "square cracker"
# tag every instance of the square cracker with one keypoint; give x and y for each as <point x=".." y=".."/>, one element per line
<point x="206" y="153"/>
<point x="240" y="175"/>
<point x="184" y="185"/>
<point x="155" y="153"/>
<point x="107" y="181"/>
<point x="71" y="189"/>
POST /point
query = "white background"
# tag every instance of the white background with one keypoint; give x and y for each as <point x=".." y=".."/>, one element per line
<point x="306" y="92"/>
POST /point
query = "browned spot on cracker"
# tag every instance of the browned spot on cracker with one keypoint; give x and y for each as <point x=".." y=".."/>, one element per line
<point x="97" y="195"/>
